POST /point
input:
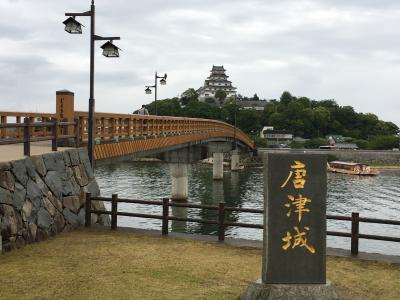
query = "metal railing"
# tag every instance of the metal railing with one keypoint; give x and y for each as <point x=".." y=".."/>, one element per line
<point x="221" y="222"/>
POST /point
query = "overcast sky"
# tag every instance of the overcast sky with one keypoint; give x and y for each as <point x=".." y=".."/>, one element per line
<point x="347" y="50"/>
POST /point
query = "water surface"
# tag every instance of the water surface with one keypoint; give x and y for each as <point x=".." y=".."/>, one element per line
<point x="375" y="197"/>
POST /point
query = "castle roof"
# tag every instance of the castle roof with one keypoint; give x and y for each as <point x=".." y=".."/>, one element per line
<point x="218" y="68"/>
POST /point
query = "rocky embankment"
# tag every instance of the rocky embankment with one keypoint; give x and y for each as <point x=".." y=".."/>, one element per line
<point x="44" y="195"/>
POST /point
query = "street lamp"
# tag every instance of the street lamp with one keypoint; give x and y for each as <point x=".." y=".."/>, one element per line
<point x="234" y="128"/>
<point x="163" y="81"/>
<point x="109" y="50"/>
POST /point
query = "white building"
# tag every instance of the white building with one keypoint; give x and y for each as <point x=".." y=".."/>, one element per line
<point x="276" y="138"/>
<point x="217" y="80"/>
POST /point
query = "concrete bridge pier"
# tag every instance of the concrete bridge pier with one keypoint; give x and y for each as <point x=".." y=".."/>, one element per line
<point x="217" y="149"/>
<point x="218" y="166"/>
<point x="179" y="160"/>
<point x="179" y="212"/>
<point x="179" y="181"/>
<point x="217" y="192"/>
<point x="235" y="160"/>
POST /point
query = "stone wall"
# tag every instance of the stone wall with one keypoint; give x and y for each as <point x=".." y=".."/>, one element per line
<point x="44" y="195"/>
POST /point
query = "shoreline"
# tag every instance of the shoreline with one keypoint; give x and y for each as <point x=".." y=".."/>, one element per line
<point x="257" y="163"/>
<point x="258" y="244"/>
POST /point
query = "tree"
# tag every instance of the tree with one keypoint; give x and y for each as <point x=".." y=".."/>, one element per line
<point x="260" y="142"/>
<point x="255" y="98"/>
<point x="286" y="97"/>
<point x="328" y="103"/>
<point x="321" y="119"/>
<point x="300" y="116"/>
<point x="220" y="95"/>
<point x="228" y="111"/>
<point x="315" y="143"/>
<point x="384" y="142"/>
<point x="249" y="121"/>
<point x="210" y="100"/>
<point x="166" y="107"/>
<point x="278" y="120"/>
<point x="189" y="95"/>
<point x="196" y="109"/>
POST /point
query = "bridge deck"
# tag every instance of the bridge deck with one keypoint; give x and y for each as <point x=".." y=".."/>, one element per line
<point x="16" y="151"/>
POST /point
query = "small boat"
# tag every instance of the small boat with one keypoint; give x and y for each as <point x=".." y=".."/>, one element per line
<point x="351" y="168"/>
<point x="210" y="161"/>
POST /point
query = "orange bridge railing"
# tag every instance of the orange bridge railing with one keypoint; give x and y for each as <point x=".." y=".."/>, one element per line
<point x="121" y="134"/>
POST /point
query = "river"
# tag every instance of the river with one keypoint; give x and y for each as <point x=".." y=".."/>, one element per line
<point x="375" y="197"/>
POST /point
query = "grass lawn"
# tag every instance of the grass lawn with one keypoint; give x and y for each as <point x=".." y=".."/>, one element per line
<point x="90" y="264"/>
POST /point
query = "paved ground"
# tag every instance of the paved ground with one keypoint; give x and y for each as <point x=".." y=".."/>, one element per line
<point x="16" y="151"/>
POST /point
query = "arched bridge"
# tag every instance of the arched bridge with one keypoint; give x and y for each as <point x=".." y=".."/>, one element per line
<point x="176" y="140"/>
<point x="119" y="135"/>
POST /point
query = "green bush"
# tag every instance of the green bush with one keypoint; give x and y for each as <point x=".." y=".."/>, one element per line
<point x="384" y="142"/>
<point x="260" y="142"/>
<point x="296" y="145"/>
<point x="315" y="143"/>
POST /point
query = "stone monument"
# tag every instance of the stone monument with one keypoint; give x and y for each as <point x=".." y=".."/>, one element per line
<point x="294" y="252"/>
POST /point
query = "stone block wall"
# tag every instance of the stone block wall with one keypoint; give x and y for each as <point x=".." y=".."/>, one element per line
<point x="44" y="195"/>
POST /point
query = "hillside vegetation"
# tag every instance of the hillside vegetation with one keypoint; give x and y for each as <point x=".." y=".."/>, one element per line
<point x="310" y="119"/>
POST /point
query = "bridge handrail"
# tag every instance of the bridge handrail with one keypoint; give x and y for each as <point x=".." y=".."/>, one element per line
<point x="114" y="125"/>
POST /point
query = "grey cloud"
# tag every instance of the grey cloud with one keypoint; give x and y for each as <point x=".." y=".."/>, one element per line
<point x="315" y="48"/>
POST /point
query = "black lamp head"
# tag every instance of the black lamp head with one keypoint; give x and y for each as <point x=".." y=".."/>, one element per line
<point x="110" y="50"/>
<point x="72" y="26"/>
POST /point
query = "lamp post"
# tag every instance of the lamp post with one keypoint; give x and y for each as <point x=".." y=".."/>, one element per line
<point x="234" y="128"/>
<point x="109" y="50"/>
<point x="163" y="81"/>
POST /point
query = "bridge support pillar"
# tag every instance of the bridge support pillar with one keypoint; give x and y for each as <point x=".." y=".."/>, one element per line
<point x="179" y="180"/>
<point x="218" y="166"/>
<point x="235" y="160"/>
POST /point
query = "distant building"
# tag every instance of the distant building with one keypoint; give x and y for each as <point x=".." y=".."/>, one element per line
<point x="252" y="104"/>
<point x="276" y="138"/>
<point x="337" y="138"/>
<point x="340" y="146"/>
<point x="217" y="80"/>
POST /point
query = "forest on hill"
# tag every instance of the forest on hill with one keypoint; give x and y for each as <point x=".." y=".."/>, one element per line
<point x="310" y="119"/>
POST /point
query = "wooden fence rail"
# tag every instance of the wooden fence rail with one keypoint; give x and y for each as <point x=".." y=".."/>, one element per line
<point x="53" y="130"/>
<point x="221" y="222"/>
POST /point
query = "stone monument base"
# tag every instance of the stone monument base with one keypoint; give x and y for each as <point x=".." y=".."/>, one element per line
<point x="261" y="291"/>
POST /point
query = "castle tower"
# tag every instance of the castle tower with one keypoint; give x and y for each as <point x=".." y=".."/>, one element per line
<point x="217" y="80"/>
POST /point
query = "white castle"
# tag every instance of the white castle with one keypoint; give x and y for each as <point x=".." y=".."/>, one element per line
<point x="217" y="80"/>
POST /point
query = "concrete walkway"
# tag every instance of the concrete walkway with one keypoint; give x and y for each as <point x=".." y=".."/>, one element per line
<point x="16" y="151"/>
